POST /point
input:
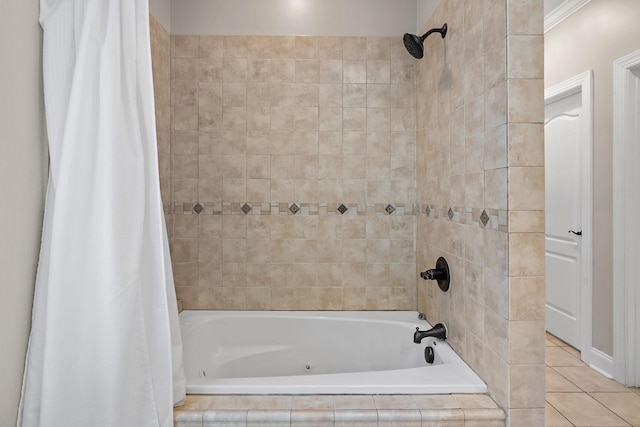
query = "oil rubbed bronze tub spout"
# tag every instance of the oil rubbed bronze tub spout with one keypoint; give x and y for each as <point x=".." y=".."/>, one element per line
<point x="438" y="331"/>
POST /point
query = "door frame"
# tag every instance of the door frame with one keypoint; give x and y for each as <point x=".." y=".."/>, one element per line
<point x="583" y="84"/>
<point x="626" y="230"/>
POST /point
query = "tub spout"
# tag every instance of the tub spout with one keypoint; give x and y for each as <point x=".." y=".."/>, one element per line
<point x="438" y="331"/>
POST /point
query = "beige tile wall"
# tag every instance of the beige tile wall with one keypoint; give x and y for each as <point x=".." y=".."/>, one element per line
<point x="161" y="62"/>
<point x="480" y="148"/>
<point x="525" y="114"/>
<point x="273" y="121"/>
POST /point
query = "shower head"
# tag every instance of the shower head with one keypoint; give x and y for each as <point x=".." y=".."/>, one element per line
<point x="414" y="44"/>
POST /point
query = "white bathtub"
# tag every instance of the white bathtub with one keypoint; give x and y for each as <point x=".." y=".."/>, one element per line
<point x="317" y="352"/>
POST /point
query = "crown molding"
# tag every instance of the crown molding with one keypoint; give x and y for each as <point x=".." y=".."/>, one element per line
<point x="562" y="12"/>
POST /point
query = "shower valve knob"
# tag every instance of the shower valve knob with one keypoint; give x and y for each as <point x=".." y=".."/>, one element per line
<point x="434" y="274"/>
<point x="440" y="274"/>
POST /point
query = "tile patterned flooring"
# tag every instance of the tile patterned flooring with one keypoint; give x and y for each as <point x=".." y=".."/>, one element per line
<point x="579" y="396"/>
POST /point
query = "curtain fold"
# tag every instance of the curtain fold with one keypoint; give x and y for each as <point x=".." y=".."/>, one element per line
<point x="105" y="343"/>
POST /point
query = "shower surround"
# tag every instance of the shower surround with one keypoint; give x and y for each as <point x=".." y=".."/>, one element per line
<point x="293" y="172"/>
<point x="453" y="142"/>
<point x="480" y="185"/>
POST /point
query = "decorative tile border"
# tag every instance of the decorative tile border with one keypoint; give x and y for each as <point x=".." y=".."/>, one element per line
<point x="246" y="208"/>
<point x="295" y="208"/>
<point x="493" y="219"/>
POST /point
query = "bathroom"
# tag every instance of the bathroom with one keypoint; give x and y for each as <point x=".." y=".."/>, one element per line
<point x="432" y="161"/>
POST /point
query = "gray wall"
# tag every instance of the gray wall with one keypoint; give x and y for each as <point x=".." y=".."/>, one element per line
<point x="593" y="38"/>
<point x="218" y="16"/>
<point x="23" y="169"/>
<point x="161" y="10"/>
<point x="293" y="17"/>
<point x="424" y="10"/>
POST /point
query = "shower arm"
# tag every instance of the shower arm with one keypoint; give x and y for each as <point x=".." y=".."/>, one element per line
<point x="442" y="31"/>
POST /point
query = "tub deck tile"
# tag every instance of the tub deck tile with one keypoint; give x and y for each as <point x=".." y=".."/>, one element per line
<point x="187" y="418"/>
<point x="461" y="410"/>
<point x="432" y="415"/>
<point x="312" y="418"/>
<point x="400" y="401"/>
<point x="436" y="401"/>
<point x="356" y="417"/>
<point x="277" y="418"/>
<point x="196" y="402"/>
<point x="399" y="417"/>
<point x="230" y="418"/>
<point x="249" y="402"/>
<point x="324" y="402"/>
<point x="475" y="401"/>
<point x="480" y="414"/>
<point x="443" y="423"/>
<point x="484" y="423"/>
<point x="360" y="402"/>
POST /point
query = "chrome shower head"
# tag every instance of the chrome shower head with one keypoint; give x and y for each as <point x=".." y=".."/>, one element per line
<point x="415" y="44"/>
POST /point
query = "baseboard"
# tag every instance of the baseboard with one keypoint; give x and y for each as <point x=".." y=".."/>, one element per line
<point x="599" y="361"/>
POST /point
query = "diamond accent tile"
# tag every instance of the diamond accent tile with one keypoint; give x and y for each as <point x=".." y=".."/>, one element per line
<point x="427" y="210"/>
<point x="246" y="208"/>
<point x="198" y="208"/>
<point x="294" y="208"/>
<point x="484" y="217"/>
<point x="389" y="208"/>
<point x="450" y="213"/>
<point x="342" y="209"/>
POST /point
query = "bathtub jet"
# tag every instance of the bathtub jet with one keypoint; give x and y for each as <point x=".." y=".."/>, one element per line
<point x="438" y="331"/>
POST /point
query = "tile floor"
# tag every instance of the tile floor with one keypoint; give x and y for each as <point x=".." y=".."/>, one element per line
<point x="579" y="396"/>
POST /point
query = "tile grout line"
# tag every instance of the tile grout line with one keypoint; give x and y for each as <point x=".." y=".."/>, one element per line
<point x="558" y="411"/>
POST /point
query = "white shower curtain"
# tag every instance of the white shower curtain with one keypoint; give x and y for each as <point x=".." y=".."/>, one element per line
<point x="105" y="348"/>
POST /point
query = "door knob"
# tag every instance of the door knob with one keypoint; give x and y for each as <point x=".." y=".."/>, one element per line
<point x="577" y="233"/>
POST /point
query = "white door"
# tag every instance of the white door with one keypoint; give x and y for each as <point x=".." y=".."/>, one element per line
<point x="563" y="217"/>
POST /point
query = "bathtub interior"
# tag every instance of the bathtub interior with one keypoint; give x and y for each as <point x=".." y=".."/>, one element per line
<point x="317" y="352"/>
<point x="243" y="347"/>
